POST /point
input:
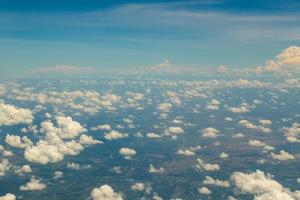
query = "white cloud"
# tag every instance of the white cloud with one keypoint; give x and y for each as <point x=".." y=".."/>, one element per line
<point x="11" y="115"/>
<point x="8" y="196"/>
<point x="153" y="135"/>
<point x="4" y="167"/>
<point x="76" y="166"/>
<point x="56" y="142"/>
<point x="58" y="174"/>
<point x="263" y="186"/>
<point x="33" y="184"/>
<point x="88" y="140"/>
<point x="138" y="187"/>
<point x="114" y="135"/>
<point x="243" y="108"/>
<point x="106" y="127"/>
<point x="288" y="59"/>
<point x="185" y="152"/>
<point x="105" y="192"/>
<point x="174" y="131"/>
<point x="24" y="169"/>
<point x="17" y="141"/>
<point x="164" y="107"/>
<point x="201" y="165"/>
<point x="204" y="190"/>
<point x="249" y="125"/>
<point x="210" y="132"/>
<point x="211" y="181"/>
<point x="282" y="156"/>
<point x="256" y="143"/>
<point x="154" y="170"/>
<point x="213" y="104"/>
<point x="223" y="155"/>
<point x="292" y="133"/>
<point x="127" y="152"/>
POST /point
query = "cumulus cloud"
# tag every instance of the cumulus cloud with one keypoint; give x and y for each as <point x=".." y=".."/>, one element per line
<point x="17" y="141"/>
<point x="155" y="170"/>
<point x="249" y="125"/>
<point x="153" y="135"/>
<point x="106" y="127"/>
<point x="127" y="152"/>
<point x="185" y="152"/>
<point x="4" y="167"/>
<point x="57" y="141"/>
<point x="24" y="169"/>
<point x="213" y="104"/>
<point x="201" y="165"/>
<point x="11" y="115"/>
<point x="210" y="132"/>
<point x="262" y="185"/>
<point x="223" y="155"/>
<point x="292" y="133"/>
<point x="76" y="166"/>
<point x="33" y="184"/>
<point x="164" y="107"/>
<point x="58" y="175"/>
<point x="204" y="190"/>
<point x="8" y="196"/>
<point x="114" y="135"/>
<point x="211" y="181"/>
<point x="88" y="140"/>
<point x="243" y="108"/>
<point x="105" y="192"/>
<point x="174" y="131"/>
<point x="288" y="59"/>
<point x="282" y="156"/>
<point x="138" y="187"/>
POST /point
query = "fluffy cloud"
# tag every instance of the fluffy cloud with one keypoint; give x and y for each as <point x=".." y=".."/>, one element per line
<point x="33" y="184"/>
<point x="262" y="186"/>
<point x="127" y="152"/>
<point x="105" y="192"/>
<point x="204" y="190"/>
<point x="114" y="135"/>
<point x="211" y="181"/>
<point x="153" y="135"/>
<point x="249" y="125"/>
<point x="174" y="131"/>
<point x="164" y="107"/>
<point x="24" y="169"/>
<point x="138" y="187"/>
<point x="11" y="115"/>
<point x="288" y="59"/>
<point x="213" y="104"/>
<point x="201" y="165"/>
<point x="210" y="132"/>
<point x="243" y="108"/>
<point x="185" y="152"/>
<point x="155" y="170"/>
<point x="56" y="142"/>
<point x="282" y="156"/>
<point x="58" y="174"/>
<point x="106" y="127"/>
<point x="17" y="141"/>
<point x="292" y="133"/>
<point x="8" y="196"/>
<point x="4" y="167"/>
<point x="66" y="127"/>
<point x="87" y="140"/>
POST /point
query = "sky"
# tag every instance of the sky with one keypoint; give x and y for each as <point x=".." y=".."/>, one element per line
<point x="133" y="34"/>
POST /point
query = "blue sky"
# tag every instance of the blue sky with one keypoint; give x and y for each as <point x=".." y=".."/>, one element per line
<point x="132" y="34"/>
